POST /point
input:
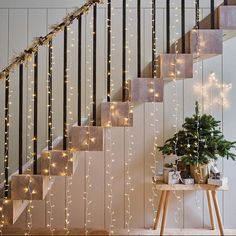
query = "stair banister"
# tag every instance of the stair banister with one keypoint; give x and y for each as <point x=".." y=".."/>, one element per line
<point x="27" y="54"/>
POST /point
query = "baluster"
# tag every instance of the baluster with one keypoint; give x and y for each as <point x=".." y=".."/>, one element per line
<point x="109" y="51"/>
<point x="65" y="80"/>
<point x="139" y="37"/>
<point x="212" y="14"/>
<point x="35" y="129"/>
<point x="197" y="14"/>
<point x="50" y="95"/>
<point x="183" y="25"/>
<point x="79" y="68"/>
<point x="20" y="118"/>
<point x="168" y="26"/>
<point x="124" y="51"/>
<point x="6" y="137"/>
<point x="94" y="65"/>
<point x="153" y="37"/>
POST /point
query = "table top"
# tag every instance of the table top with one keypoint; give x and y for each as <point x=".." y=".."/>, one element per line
<point x="194" y="187"/>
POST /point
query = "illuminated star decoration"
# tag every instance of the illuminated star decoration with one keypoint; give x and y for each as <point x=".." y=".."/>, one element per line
<point x="214" y="92"/>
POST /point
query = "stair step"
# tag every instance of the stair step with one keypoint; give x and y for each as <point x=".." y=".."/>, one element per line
<point x="211" y="45"/>
<point x="12" y="209"/>
<point x="87" y="138"/>
<point x="58" y="163"/>
<point x="116" y="114"/>
<point x="227" y="21"/>
<point x="178" y="66"/>
<point x="146" y="90"/>
<point x="206" y="43"/>
<point x="29" y="187"/>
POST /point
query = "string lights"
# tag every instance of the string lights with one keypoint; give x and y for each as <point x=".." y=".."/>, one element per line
<point x="175" y="39"/>
<point x="89" y="159"/>
<point x="128" y="161"/>
<point x="68" y="183"/>
<point x="110" y="178"/>
<point x="155" y="112"/>
<point x="49" y="201"/>
<point x="109" y="144"/>
<point x="29" y="141"/>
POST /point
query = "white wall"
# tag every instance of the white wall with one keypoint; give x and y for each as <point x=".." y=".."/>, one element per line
<point x="21" y="21"/>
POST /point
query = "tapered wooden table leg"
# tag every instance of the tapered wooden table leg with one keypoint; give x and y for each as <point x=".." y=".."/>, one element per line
<point x="163" y="223"/>
<point x="160" y="207"/>
<point x="218" y="213"/>
<point x="210" y="210"/>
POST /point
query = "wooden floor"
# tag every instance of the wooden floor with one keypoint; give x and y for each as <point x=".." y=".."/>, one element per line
<point x="135" y="232"/>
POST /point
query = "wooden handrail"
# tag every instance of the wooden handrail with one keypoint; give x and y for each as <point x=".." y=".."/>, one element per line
<point x="40" y="41"/>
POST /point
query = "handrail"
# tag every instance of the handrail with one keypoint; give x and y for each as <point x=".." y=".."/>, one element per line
<point x="40" y="41"/>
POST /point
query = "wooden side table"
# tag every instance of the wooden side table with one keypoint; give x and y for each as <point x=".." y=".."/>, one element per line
<point x="165" y="190"/>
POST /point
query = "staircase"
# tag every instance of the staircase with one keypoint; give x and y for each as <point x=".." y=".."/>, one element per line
<point x="60" y="156"/>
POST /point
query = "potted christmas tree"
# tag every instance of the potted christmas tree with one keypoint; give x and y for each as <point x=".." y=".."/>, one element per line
<point x="200" y="142"/>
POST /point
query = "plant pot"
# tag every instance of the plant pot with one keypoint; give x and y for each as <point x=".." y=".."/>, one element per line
<point x="200" y="173"/>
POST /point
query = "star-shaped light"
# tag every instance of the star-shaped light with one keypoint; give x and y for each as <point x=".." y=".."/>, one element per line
<point x="214" y="92"/>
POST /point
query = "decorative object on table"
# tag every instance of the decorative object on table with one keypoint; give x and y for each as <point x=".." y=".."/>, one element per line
<point x="223" y="181"/>
<point x="184" y="169"/>
<point x="167" y="168"/>
<point x="200" y="142"/>
<point x="218" y="182"/>
<point x="157" y="178"/>
<point x="171" y="175"/>
<point x="188" y="180"/>
<point x="174" y="177"/>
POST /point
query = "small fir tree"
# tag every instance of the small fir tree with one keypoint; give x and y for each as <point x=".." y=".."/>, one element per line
<point x="200" y="141"/>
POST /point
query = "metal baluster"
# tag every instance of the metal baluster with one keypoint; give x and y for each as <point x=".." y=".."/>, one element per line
<point x="109" y="51"/>
<point x="212" y="14"/>
<point x="65" y="80"/>
<point x="197" y="14"/>
<point x="94" y="65"/>
<point x="6" y="137"/>
<point x="35" y="139"/>
<point x="183" y="24"/>
<point x="79" y="68"/>
<point x="153" y="37"/>
<point x="20" y="119"/>
<point x="50" y="95"/>
<point x="124" y="51"/>
<point x="139" y="37"/>
<point x="168" y="26"/>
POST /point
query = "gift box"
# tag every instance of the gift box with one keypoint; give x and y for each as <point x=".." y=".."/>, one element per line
<point x="218" y="182"/>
